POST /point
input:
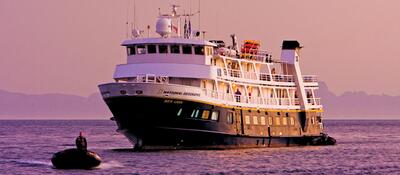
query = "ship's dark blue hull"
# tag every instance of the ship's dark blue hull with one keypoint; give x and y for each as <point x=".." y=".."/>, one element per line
<point x="159" y="123"/>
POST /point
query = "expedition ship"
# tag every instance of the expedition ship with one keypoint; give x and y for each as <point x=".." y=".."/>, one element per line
<point x="180" y="91"/>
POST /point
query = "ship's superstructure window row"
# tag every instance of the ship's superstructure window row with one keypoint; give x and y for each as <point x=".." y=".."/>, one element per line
<point x="255" y="120"/>
<point x="201" y="114"/>
<point x="187" y="49"/>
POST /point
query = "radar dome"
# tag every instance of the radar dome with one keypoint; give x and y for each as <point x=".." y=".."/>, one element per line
<point x="163" y="26"/>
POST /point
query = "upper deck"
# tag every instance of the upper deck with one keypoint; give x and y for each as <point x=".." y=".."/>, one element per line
<point x="196" y="58"/>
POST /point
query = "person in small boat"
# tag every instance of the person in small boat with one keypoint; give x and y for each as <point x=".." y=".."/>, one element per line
<point x="80" y="142"/>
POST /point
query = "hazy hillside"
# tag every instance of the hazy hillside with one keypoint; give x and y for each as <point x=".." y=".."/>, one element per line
<point x="58" y="106"/>
<point x="359" y="104"/>
<point x="52" y="105"/>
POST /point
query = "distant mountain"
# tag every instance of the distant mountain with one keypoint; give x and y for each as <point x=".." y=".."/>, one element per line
<point x="350" y="105"/>
<point x="48" y="105"/>
<point x="359" y="105"/>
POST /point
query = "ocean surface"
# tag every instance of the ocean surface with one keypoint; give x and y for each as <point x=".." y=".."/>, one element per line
<point x="364" y="147"/>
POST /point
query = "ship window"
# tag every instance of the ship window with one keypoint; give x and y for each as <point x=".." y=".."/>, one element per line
<point x="195" y="113"/>
<point x="187" y="49"/>
<point x="270" y="121"/>
<point x="206" y="114"/>
<point x="175" y="49"/>
<point x="262" y="120"/>
<point x="214" y="115"/>
<point x="284" y="121"/>
<point x="255" y="120"/>
<point x="141" y="49"/>
<point x="151" y="48"/>
<point x="229" y="118"/>
<point x="209" y="51"/>
<point x="199" y="50"/>
<point x="292" y="121"/>
<point x="277" y="121"/>
<point x="247" y="120"/>
<point x="131" y="50"/>
<point x="179" y="112"/>
<point x="162" y="49"/>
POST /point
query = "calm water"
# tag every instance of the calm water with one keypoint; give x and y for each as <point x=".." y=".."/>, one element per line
<point x="365" y="147"/>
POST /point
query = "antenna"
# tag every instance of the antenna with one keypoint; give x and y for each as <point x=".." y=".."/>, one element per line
<point x="134" y="14"/>
<point x="148" y="31"/>
<point x="199" y="15"/>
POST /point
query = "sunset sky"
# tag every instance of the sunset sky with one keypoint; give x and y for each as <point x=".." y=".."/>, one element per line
<point x="70" y="46"/>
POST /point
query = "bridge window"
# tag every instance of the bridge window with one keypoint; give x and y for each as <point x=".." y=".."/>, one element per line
<point x="131" y="50"/>
<point x="151" y="48"/>
<point x="162" y="48"/>
<point x="187" y="49"/>
<point x="199" y="50"/>
<point x="175" y="49"/>
<point x="141" y="49"/>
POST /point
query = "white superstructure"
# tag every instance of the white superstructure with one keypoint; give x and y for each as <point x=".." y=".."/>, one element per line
<point x="181" y="64"/>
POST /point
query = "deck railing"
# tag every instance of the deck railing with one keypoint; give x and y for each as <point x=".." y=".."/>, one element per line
<point x="146" y="78"/>
<point x="235" y="73"/>
<point x="310" y="78"/>
<point x="253" y="76"/>
<point x="230" y="97"/>
<point x="257" y="100"/>
<point x="314" y="101"/>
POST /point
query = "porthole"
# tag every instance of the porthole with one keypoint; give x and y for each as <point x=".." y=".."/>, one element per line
<point x="139" y="92"/>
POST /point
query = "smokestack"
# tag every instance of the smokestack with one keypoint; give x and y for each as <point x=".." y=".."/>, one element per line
<point x="290" y="57"/>
<point x="290" y="51"/>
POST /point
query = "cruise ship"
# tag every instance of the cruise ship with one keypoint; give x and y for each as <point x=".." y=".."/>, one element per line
<point x="181" y="91"/>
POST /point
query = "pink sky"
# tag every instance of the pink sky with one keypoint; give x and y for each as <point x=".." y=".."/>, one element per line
<point x="71" y="46"/>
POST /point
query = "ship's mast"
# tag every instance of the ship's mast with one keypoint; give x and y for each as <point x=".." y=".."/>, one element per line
<point x="165" y="24"/>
